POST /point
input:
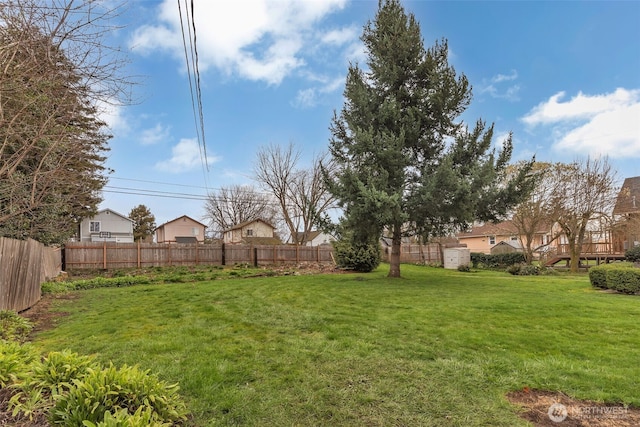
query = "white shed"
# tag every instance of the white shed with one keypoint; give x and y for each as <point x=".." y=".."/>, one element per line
<point x="455" y="257"/>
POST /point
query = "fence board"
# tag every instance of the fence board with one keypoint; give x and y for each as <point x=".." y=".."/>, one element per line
<point x="24" y="265"/>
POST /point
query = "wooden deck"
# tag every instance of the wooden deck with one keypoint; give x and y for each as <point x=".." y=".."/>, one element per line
<point x="601" y="258"/>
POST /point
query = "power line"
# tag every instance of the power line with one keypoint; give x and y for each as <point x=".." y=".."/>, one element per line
<point x="208" y="189"/>
<point x="191" y="58"/>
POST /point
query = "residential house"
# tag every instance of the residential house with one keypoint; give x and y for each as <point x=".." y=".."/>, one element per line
<point x="257" y="231"/>
<point x="314" y="238"/>
<point x="490" y="238"/>
<point x="106" y="226"/>
<point x="626" y="215"/>
<point x="183" y="229"/>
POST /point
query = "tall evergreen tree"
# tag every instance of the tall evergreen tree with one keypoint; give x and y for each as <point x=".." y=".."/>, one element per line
<point x="144" y="223"/>
<point x="407" y="164"/>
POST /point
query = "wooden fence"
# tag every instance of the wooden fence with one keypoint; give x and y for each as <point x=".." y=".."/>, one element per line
<point x="107" y="255"/>
<point x="417" y="254"/>
<point x="24" y="265"/>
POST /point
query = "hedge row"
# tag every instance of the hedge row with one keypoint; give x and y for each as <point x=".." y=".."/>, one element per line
<point x="496" y="260"/>
<point x="621" y="277"/>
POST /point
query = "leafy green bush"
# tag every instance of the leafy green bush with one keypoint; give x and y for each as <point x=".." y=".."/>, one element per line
<point x="633" y="254"/>
<point x="598" y="276"/>
<point x="14" y="362"/>
<point x="143" y="417"/>
<point x="625" y="280"/>
<point x="529" y="270"/>
<point x="359" y="257"/>
<point x="111" y="389"/>
<point x="514" y="269"/>
<point x="496" y="261"/>
<point x="14" y="327"/>
<point x="47" y="379"/>
<point x="73" y="390"/>
<point x="620" y="276"/>
<point x="464" y="268"/>
<point x="57" y="370"/>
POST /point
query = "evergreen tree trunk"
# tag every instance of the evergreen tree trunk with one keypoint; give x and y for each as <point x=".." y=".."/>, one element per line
<point x="394" y="260"/>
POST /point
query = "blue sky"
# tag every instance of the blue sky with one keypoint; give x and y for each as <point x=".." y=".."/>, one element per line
<point x="564" y="77"/>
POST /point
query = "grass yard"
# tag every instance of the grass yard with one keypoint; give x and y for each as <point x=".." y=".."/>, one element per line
<point x="436" y="348"/>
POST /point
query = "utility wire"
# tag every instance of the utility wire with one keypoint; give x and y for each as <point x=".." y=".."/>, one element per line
<point x="191" y="58"/>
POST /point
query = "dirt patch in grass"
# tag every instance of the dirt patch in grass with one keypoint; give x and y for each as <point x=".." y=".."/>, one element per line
<point x="545" y="409"/>
<point x="41" y="315"/>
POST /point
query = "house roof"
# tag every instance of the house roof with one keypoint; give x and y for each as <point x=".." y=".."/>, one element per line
<point x="243" y="224"/>
<point x="310" y="236"/>
<point x="180" y="217"/>
<point x="504" y="228"/>
<point x="628" y="200"/>
<point x="113" y="212"/>
<point x="513" y="244"/>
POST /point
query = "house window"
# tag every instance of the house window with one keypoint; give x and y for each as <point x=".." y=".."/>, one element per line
<point x="249" y="232"/>
<point x="514" y="238"/>
<point x="195" y="231"/>
<point x="492" y="240"/>
<point x="94" y="227"/>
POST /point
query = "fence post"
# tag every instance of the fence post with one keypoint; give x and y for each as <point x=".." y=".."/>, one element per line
<point x="139" y="253"/>
<point x="104" y="255"/>
<point x="274" y="254"/>
<point x="297" y="256"/>
<point x="255" y="257"/>
<point x="318" y="253"/>
<point x="223" y="254"/>
<point x="196" y="253"/>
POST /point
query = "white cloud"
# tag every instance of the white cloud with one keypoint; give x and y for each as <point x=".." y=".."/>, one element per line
<point x="262" y="40"/>
<point x="307" y="98"/>
<point x="495" y="86"/>
<point x="185" y="156"/>
<point x="580" y="106"/>
<point x="505" y="77"/>
<point x="153" y="135"/>
<point x="341" y="36"/>
<point x="606" y="124"/>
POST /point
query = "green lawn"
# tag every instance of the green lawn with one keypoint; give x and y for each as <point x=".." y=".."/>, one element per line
<point x="436" y="348"/>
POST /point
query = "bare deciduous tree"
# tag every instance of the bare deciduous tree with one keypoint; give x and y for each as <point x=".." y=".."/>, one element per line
<point x="301" y="194"/>
<point x="533" y="216"/>
<point x="236" y="204"/>
<point x="582" y="192"/>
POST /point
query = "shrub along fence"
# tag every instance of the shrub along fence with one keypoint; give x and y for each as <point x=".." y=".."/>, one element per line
<point x="24" y="265"/>
<point x="106" y="255"/>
